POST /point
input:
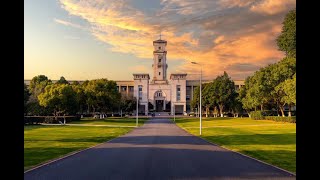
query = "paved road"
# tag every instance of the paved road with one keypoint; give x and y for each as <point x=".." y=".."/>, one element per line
<point x="157" y="150"/>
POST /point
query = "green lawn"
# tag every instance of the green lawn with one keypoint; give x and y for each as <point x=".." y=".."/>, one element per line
<point x="43" y="143"/>
<point x="269" y="141"/>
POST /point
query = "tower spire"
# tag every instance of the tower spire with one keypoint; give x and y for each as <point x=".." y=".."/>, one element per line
<point x="160" y="35"/>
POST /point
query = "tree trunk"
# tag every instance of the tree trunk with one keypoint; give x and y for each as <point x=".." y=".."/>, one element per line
<point x="255" y="108"/>
<point x="221" y="109"/>
<point x="289" y="111"/>
<point x="282" y="112"/>
<point x="207" y="109"/>
<point x="64" y="118"/>
<point x="261" y="107"/>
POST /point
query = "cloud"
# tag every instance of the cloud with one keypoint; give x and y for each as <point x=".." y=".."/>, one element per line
<point x="66" y="23"/>
<point x="271" y="7"/>
<point x="220" y="34"/>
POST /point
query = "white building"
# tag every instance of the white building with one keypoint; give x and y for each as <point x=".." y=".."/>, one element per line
<point x="161" y="93"/>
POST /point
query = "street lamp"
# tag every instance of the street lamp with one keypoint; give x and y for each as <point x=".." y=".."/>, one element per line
<point x="200" y="95"/>
<point x="137" y="111"/>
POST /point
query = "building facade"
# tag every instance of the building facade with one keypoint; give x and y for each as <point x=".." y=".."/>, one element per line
<point x="161" y="93"/>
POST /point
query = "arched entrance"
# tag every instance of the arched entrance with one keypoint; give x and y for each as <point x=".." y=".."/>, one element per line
<point x="159" y="98"/>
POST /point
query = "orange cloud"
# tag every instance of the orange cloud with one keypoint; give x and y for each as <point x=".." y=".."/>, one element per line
<point x="216" y="39"/>
<point x="273" y="6"/>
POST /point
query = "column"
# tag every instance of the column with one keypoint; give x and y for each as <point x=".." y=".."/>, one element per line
<point x="191" y="92"/>
<point x="127" y="89"/>
<point x="164" y="104"/>
<point x="146" y="109"/>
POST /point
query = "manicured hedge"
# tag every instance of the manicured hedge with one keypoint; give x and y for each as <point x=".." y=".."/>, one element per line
<point x="34" y="119"/>
<point x="48" y="119"/>
<point x="257" y="115"/>
<point x="291" y="119"/>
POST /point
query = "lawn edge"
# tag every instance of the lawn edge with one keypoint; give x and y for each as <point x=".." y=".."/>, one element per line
<point x="73" y="153"/>
<point x="291" y="173"/>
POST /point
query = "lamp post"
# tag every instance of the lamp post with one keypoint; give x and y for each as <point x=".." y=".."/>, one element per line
<point x="137" y="107"/>
<point x="200" y="95"/>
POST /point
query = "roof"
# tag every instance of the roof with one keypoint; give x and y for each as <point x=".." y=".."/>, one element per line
<point x="160" y="41"/>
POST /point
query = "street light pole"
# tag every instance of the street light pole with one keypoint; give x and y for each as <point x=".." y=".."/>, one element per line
<point x="200" y="96"/>
<point x="200" y="100"/>
<point x="137" y="107"/>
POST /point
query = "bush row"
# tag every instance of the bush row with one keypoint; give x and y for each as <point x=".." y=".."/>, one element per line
<point x="48" y="119"/>
<point x="259" y="115"/>
<point x="291" y="119"/>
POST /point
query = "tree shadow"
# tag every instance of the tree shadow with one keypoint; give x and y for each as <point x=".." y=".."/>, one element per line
<point x="109" y="162"/>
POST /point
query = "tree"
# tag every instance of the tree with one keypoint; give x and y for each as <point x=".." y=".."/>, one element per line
<point x="37" y="85"/>
<point x="223" y="89"/>
<point x="80" y="96"/>
<point x="102" y="95"/>
<point x="281" y="71"/>
<point x="61" y="98"/>
<point x="195" y="100"/>
<point x="286" y="41"/>
<point x="290" y="91"/>
<point x="287" y="91"/>
<point x="62" y="80"/>
<point x="128" y="103"/>
<point x="26" y="96"/>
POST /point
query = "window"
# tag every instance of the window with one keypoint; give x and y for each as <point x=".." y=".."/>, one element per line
<point x="187" y="97"/>
<point x="140" y="92"/>
<point x="159" y="47"/>
<point x="178" y="93"/>
<point x="159" y="73"/>
<point x="123" y="88"/>
<point x="159" y="60"/>
<point x="131" y="88"/>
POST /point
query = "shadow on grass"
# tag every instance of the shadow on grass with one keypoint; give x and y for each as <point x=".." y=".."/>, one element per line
<point x="193" y="119"/>
<point x="254" y="139"/>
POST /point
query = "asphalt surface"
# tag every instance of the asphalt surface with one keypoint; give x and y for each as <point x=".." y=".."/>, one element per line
<point x="157" y="150"/>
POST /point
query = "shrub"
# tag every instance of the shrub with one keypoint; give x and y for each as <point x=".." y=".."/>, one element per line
<point x="291" y="119"/>
<point x="257" y="115"/>
<point x="33" y="119"/>
<point x="49" y="119"/>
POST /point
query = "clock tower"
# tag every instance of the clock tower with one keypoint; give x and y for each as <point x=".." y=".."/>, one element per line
<point x="159" y="61"/>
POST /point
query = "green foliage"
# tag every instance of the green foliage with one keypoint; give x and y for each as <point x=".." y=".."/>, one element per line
<point x="101" y="95"/>
<point x="128" y="103"/>
<point x="222" y="91"/>
<point x="290" y="119"/>
<point x="61" y="98"/>
<point x="196" y="98"/>
<point x="62" y="80"/>
<point x="289" y="89"/>
<point x="257" y="115"/>
<point x="264" y="86"/>
<point x="34" y="119"/>
<point x="26" y="95"/>
<point x="287" y="39"/>
<point x="38" y="84"/>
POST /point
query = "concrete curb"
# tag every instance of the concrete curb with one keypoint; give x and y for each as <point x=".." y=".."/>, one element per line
<point x="291" y="173"/>
<point x="74" y="152"/>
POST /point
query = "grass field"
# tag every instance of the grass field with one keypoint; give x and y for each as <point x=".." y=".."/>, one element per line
<point x="43" y="143"/>
<point x="269" y="141"/>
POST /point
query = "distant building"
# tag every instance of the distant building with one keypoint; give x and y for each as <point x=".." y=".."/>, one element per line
<point x="162" y="92"/>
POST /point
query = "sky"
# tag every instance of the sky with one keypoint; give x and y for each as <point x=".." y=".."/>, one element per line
<point x="91" y="39"/>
